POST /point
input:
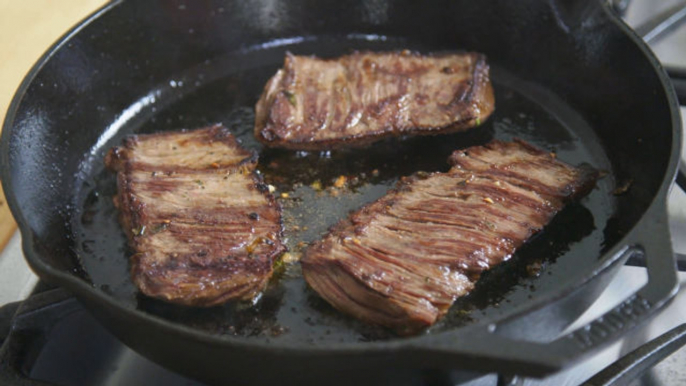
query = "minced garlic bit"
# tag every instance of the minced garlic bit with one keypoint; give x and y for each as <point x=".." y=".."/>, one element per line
<point x="271" y="188"/>
<point x="291" y="257"/>
<point x="284" y="195"/>
<point x="250" y="248"/>
<point x="316" y="185"/>
<point x="497" y="183"/>
<point x="340" y="181"/>
<point x="353" y="240"/>
<point x="488" y="200"/>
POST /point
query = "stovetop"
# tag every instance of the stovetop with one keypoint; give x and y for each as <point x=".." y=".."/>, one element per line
<point x="78" y="351"/>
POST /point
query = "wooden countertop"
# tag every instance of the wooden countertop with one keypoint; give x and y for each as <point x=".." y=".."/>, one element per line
<point x="27" y="29"/>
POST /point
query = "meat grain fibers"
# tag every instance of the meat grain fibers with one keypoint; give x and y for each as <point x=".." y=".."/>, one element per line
<point x="316" y="104"/>
<point x="402" y="260"/>
<point x="200" y="222"/>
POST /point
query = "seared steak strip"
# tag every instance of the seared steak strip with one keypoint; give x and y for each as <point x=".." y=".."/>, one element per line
<point x="203" y="228"/>
<point x="357" y="99"/>
<point x="401" y="261"/>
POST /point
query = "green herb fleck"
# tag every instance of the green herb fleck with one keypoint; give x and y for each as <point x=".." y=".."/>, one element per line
<point x="478" y="121"/>
<point x="291" y="97"/>
<point x="279" y="264"/>
<point x="199" y="182"/>
<point x="138" y="231"/>
<point x="159" y="228"/>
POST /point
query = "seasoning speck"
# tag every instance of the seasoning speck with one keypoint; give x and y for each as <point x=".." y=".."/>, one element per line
<point x="271" y="188"/>
<point x="291" y="98"/>
<point x="534" y="269"/>
<point x="488" y="200"/>
<point x="160" y="227"/>
<point x="139" y="231"/>
<point x="278" y="330"/>
<point x="623" y="187"/>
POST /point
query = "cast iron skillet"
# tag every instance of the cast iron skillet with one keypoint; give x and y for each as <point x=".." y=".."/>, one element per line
<point x="568" y="76"/>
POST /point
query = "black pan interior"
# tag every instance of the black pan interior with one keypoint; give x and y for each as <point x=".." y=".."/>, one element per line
<point x="565" y="79"/>
<point x="225" y="90"/>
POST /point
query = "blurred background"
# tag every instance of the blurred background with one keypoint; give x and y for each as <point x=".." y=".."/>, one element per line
<point x="27" y="29"/>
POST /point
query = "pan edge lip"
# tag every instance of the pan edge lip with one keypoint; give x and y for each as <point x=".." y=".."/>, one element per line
<point x="15" y="102"/>
<point x="672" y="100"/>
<point x="77" y="286"/>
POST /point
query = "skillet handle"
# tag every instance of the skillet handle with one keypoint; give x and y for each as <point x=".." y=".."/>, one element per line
<point x="484" y="348"/>
<point x="24" y="327"/>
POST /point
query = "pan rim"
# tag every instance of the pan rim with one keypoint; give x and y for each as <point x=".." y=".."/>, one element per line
<point x="82" y="290"/>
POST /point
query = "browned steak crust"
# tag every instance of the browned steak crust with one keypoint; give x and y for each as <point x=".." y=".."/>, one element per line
<point x="203" y="228"/>
<point x="401" y="261"/>
<point x="357" y="99"/>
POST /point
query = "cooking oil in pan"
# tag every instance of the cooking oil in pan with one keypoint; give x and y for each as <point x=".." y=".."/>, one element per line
<point x="317" y="189"/>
